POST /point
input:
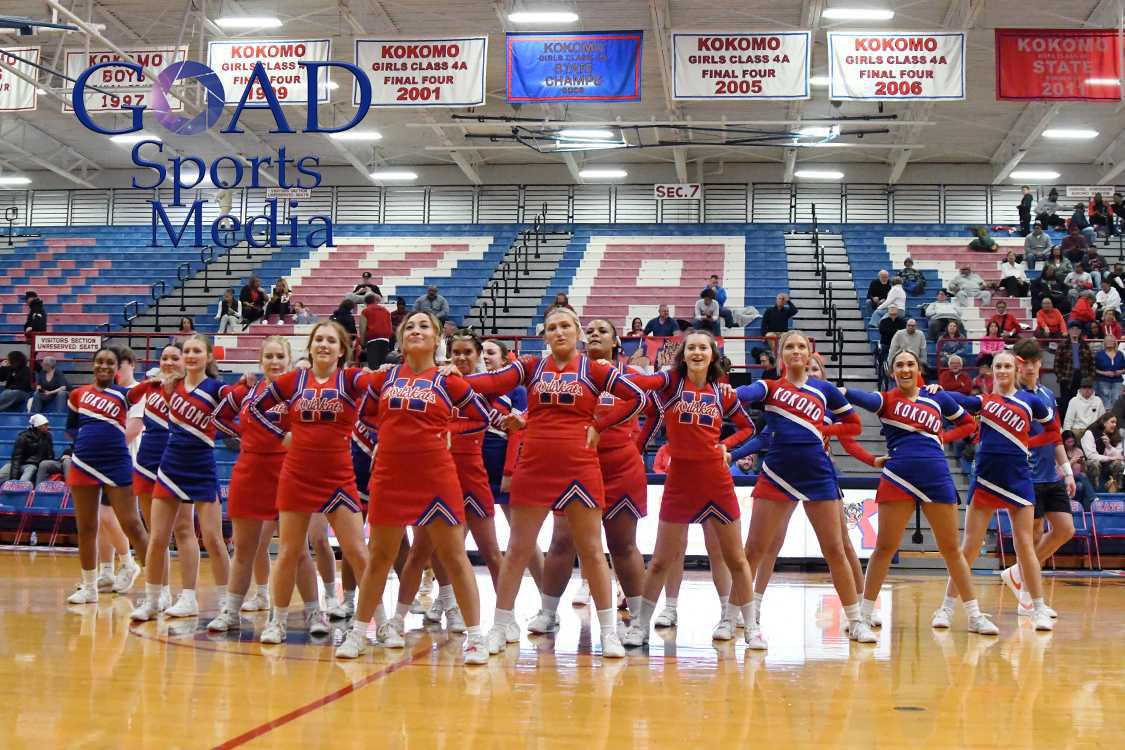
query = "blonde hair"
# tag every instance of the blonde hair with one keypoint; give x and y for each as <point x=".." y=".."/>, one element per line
<point x="563" y="311"/>
<point x="344" y="336"/>
<point x="275" y="339"/>
<point x="211" y="370"/>
<point x="437" y="326"/>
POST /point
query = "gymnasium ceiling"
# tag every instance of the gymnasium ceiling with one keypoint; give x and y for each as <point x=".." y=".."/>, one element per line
<point x="979" y="131"/>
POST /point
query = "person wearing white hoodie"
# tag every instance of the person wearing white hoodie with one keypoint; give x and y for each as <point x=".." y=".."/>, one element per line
<point x="896" y="297"/>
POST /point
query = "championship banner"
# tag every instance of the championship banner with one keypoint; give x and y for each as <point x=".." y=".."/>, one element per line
<point x="897" y="66"/>
<point x="120" y="87"/>
<point x="234" y="61"/>
<point x="1058" y="64"/>
<point x="423" y="72"/>
<point x="600" y="66"/>
<point x="17" y="94"/>
<point x="741" y="66"/>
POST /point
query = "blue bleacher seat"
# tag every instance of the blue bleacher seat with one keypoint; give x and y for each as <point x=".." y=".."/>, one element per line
<point x="1108" y="520"/>
<point x="13" y="499"/>
<point x="47" y="508"/>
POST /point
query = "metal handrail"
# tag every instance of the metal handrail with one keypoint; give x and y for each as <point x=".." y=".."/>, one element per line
<point x="183" y="273"/>
<point x="206" y="257"/>
<point x="156" y="299"/>
<point x="482" y="314"/>
<point x="130" y="318"/>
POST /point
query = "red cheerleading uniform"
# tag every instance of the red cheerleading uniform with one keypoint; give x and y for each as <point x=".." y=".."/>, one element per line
<point x="623" y="468"/>
<point x="555" y="467"/>
<point x="316" y="473"/>
<point x="252" y="492"/>
<point x="698" y="486"/>
<point x="467" y="448"/>
<point x="414" y="480"/>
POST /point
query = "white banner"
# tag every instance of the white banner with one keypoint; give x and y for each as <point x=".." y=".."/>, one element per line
<point x="900" y="65"/>
<point x="17" y="94"/>
<point x="77" y="344"/>
<point x="233" y="61"/>
<point x="293" y="193"/>
<point x="688" y="191"/>
<point x="423" y="72"/>
<point x="120" y="87"/>
<point x="741" y="65"/>
<point x="1087" y="191"/>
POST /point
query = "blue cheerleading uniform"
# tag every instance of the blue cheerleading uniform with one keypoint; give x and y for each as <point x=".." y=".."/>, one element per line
<point x="364" y="438"/>
<point x="1003" y="477"/>
<point x="187" y="469"/>
<point x="154" y="438"/>
<point x="916" y="469"/>
<point x="97" y="419"/>
<point x="495" y="446"/>
<point x="796" y="466"/>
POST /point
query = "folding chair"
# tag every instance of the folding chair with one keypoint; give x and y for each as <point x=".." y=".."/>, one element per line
<point x="14" y="495"/>
<point x="44" y="507"/>
<point x="1083" y="532"/>
<point x="1108" y="520"/>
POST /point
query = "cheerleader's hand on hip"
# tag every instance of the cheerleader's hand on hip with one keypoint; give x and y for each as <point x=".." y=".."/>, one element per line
<point x="287" y="440"/>
<point x="880" y="461"/>
<point x="592" y="437"/>
<point x="725" y="454"/>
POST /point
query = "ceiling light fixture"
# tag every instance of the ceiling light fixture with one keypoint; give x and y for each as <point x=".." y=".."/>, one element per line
<point x="542" y="16"/>
<point x="603" y="174"/>
<point x="857" y="14"/>
<point x="1034" y="174"/>
<point x="357" y="135"/>
<point x="248" y="22"/>
<point x="393" y="174"/>
<point x="819" y="131"/>
<point x="586" y="134"/>
<point x="128" y="139"/>
<point x="1102" y="82"/>
<point x="1070" y="134"/>
<point x="14" y="180"/>
<point x="818" y="174"/>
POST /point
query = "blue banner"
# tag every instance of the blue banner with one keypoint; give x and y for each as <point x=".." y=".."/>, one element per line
<point x="598" y="66"/>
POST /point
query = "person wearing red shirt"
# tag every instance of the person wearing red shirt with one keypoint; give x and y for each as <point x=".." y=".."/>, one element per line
<point x="1009" y="326"/>
<point x="377" y="332"/>
<point x="953" y="378"/>
<point x="1049" y="322"/>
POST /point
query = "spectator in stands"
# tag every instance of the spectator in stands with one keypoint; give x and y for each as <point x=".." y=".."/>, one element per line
<point x="662" y="325"/>
<point x="982" y="383"/>
<point x="636" y="329"/>
<point x="1108" y="299"/>
<point x="982" y="242"/>
<point x="1105" y="461"/>
<point x="992" y="342"/>
<point x="1024" y="209"/>
<point x="1078" y="281"/>
<point x="253" y="301"/>
<point x="36" y="316"/>
<point x="1074" y="245"/>
<point x="1083" y="313"/>
<point x="433" y="303"/>
<point x="954" y="378"/>
<point x="1084" y="410"/>
<point x="1046" y="212"/>
<point x="940" y="312"/>
<point x="301" y="314"/>
<point x="1095" y="266"/>
<point x="1101" y="214"/>
<point x="1013" y="276"/>
<point x="909" y="339"/>
<point x="1078" y="219"/>
<point x="445" y="343"/>
<point x="913" y="282"/>
<point x="228" y="312"/>
<point x="1049" y="286"/>
<point x="878" y="289"/>
<point x="951" y="344"/>
<point x="399" y="313"/>
<point x="1049" y="322"/>
<point x="721" y="298"/>
<point x="889" y="326"/>
<point x="775" y="321"/>
<point x="1110" y="326"/>
<point x="377" y="331"/>
<point x="561" y="300"/>
<point x="1036" y="247"/>
<point x="1117" y="212"/>
<point x="279" y="302"/>
<point x="344" y="315"/>
<point x="1109" y="367"/>
<point x="1009" y="326"/>
<point x="1074" y="364"/>
<point x="18" y="382"/>
<point x="707" y="312"/>
<point x="768" y="365"/>
<point x="364" y="288"/>
<point x="1058" y="261"/>
<point x="50" y="388"/>
<point x="896" y="296"/>
<point x="1117" y="278"/>
<point x="968" y="286"/>
<point x="1084" y="492"/>
<point x="33" y="455"/>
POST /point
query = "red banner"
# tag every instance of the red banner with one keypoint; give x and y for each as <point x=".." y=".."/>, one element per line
<point x="1058" y="64"/>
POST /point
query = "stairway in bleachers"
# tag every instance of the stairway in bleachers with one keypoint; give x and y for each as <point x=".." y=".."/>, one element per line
<point x="526" y="278"/>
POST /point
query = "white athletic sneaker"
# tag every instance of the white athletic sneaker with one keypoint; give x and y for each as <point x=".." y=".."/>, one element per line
<point x="543" y="623"/>
<point x="942" y="618"/>
<point x="667" y="618"/>
<point x="185" y="606"/>
<point x="427" y="586"/>
<point x="105" y="582"/>
<point x="83" y="595"/>
<point x="255" y="603"/>
<point x="434" y="613"/>
<point x="417" y="607"/>
<point x="354" y="644"/>
<point x="454" y="622"/>
<point x="349" y="608"/>
<point x="861" y="632"/>
<point x="476" y="650"/>
<point x="273" y="633"/>
<point x="1024" y="607"/>
<point x="144" y="611"/>
<point x="582" y="598"/>
<point x="635" y="636"/>
<point x="388" y="636"/>
<point x="225" y="620"/>
<point x="983" y="625"/>
<point x="611" y="645"/>
<point x="740" y="621"/>
<point x="1043" y="621"/>
<point x="496" y="639"/>
<point x="1011" y="578"/>
<point x="165" y="599"/>
<point x="875" y="619"/>
<point x="724" y="631"/>
<point x="317" y="623"/>
<point x="1050" y="612"/>
<point x="126" y="577"/>
<point x="334" y="608"/>
<point x="754" y="639"/>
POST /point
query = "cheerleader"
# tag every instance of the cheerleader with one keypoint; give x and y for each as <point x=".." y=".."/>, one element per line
<point x="1002" y="479"/>
<point x="466" y="446"/>
<point x="698" y="487"/>
<point x="416" y="404"/>
<point x="252" y="503"/>
<point x="187" y="475"/>
<point x="100" y="464"/>
<point x="796" y="468"/>
<point x="316" y="473"/>
<point x="558" y="467"/>
<point x="916" y="471"/>
<point x="626" y="500"/>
